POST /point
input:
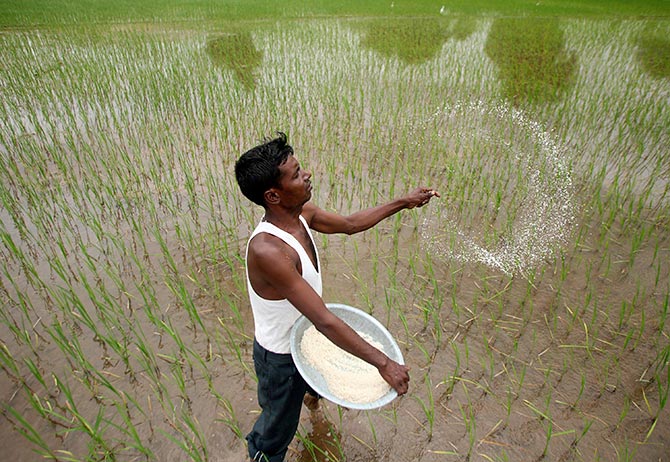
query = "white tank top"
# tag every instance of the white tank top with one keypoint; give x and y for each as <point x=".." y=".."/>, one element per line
<point x="273" y="319"/>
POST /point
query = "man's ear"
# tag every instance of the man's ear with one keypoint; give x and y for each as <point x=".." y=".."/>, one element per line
<point x="271" y="196"/>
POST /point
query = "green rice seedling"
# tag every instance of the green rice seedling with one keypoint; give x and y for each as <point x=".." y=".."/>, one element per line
<point x="312" y="449"/>
<point x="658" y="275"/>
<point x="330" y="449"/>
<point x="451" y="381"/>
<point x="437" y="328"/>
<point x="94" y="428"/>
<point x="626" y="452"/>
<point x="28" y="431"/>
<point x="624" y="410"/>
<point x="18" y="327"/>
<point x="470" y="421"/>
<point x="373" y="431"/>
<point x="585" y="430"/>
<point x="663" y="312"/>
<point x="229" y="418"/>
<point x="427" y="406"/>
<point x="391" y="415"/>
<point x="640" y="330"/>
<point x="651" y="429"/>
<point x="11" y="367"/>
<point x="625" y="312"/>
<point x="510" y="397"/>
<point x="18" y="254"/>
<point x="519" y="376"/>
<point x="188" y="445"/>
<point x="581" y="391"/>
<point x="548" y="436"/>
<point x="491" y="360"/>
<point x="663" y="395"/>
<point x="146" y="356"/>
<point x="233" y="346"/>
<point x="403" y="320"/>
<point x="428" y="356"/>
<point x="35" y="372"/>
<point x="128" y="427"/>
<point x="425" y="314"/>
<point x="661" y="376"/>
<point x="548" y="424"/>
<point x="186" y="301"/>
<point x="390" y="302"/>
<point x="74" y="353"/>
<point x="197" y="445"/>
<point x="53" y="411"/>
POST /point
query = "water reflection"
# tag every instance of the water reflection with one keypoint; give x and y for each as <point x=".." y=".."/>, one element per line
<point x="238" y="53"/>
<point x="414" y="40"/>
<point x="653" y="53"/>
<point x="532" y="60"/>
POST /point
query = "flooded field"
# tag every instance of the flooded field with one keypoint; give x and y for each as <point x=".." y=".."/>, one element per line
<point x="530" y="300"/>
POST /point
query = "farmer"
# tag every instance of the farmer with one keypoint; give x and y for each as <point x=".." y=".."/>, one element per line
<point x="284" y="281"/>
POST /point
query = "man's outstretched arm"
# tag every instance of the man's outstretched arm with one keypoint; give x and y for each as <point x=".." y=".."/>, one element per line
<point x="330" y="223"/>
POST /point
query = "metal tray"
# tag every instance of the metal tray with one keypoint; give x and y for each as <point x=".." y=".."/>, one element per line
<point x="360" y="321"/>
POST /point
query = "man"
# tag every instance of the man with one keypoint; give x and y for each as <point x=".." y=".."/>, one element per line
<point x="284" y="281"/>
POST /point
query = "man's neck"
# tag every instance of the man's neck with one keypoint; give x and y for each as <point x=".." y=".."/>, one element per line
<point x="284" y="219"/>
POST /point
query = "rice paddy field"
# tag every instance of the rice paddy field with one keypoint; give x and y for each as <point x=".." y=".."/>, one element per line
<point x="530" y="300"/>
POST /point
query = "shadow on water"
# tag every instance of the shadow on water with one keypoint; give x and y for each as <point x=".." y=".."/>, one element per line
<point x="414" y="40"/>
<point x="238" y="53"/>
<point x="532" y="60"/>
<point x="653" y="54"/>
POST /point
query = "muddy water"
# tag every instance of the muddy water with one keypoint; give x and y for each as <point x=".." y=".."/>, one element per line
<point x="552" y="360"/>
<point x="523" y="360"/>
<point x="489" y="355"/>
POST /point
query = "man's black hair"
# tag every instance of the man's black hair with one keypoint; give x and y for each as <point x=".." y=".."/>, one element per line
<point x="257" y="170"/>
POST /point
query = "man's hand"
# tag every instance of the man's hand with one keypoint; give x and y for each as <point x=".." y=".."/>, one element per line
<point x="420" y="197"/>
<point x="397" y="375"/>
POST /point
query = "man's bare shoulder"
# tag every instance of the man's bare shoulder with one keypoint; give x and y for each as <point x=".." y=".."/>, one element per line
<point x="266" y="247"/>
<point x="272" y="265"/>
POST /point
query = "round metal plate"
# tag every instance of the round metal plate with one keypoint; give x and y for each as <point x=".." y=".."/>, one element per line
<point x="360" y="321"/>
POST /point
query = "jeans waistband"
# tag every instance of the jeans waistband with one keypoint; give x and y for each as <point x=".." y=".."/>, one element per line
<point x="267" y="355"/>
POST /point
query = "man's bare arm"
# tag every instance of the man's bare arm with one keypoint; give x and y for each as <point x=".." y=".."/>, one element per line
<point x="330" y="223"/>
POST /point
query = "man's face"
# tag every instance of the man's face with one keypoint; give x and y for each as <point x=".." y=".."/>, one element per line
<point x="294" y="182"/>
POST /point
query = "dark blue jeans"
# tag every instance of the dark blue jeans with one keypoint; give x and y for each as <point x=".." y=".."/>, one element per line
<point x="281" y="390"/>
